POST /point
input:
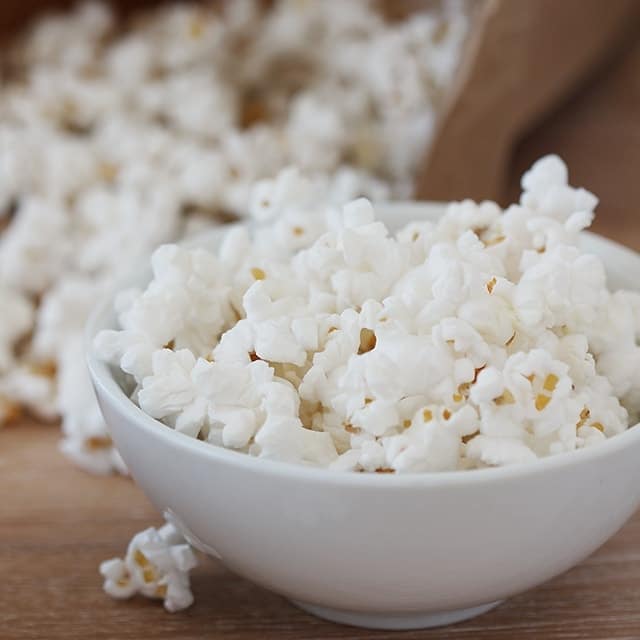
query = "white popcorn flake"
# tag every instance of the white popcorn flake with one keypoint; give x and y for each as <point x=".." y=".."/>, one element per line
<point x="498" y="451"/>
<point x="17" y="321"/>
<point x="32" y="387"/>
<point x="284" y="438"/>
<point x="30" y="260"/>
<point x="156" y="565"/>
<point x="546" y="190"/>
<point x="86" y="440"/>
<point x="358" y="351"/>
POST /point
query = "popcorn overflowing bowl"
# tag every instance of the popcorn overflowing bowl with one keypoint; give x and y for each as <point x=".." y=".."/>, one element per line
<point x="385" y="550"/>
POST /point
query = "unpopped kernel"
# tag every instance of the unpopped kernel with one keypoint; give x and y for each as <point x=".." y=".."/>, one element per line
<point x="483" y="339"/>
<point x="117" y="138"/>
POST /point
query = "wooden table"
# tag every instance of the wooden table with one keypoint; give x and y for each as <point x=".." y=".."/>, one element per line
<point x="57" y="523"/>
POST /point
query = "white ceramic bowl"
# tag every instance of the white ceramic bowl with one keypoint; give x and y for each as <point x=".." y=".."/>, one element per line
<point x="383" y="551"/>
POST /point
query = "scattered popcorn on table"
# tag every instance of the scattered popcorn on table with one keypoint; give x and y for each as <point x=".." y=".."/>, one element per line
<point x="157" y="565"/>
<point x="486" y="338"/>
<point x="116" y="138"/>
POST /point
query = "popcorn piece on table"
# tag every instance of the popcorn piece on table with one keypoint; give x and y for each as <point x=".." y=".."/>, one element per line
<point x="156" y="565"/>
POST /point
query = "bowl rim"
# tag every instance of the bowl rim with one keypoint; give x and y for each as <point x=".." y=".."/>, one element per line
<point x="106" y="385"/>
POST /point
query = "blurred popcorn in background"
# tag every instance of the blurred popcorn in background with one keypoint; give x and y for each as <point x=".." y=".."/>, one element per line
<point x="114" y="139"/>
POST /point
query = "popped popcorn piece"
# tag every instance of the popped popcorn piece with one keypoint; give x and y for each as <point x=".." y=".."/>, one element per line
<point x="17" y="321"/>
<point x="156" y="565"/>
<point x="86" y="440"/>
<point x="498" y="451"/>
<point x="189" y="283"/>
<point x="30" y="262"/>
<point x="32" y="387"/>
<point x="465" y="343"/>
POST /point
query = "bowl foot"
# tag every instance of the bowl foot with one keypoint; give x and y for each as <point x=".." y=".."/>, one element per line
<point x="395" y="621"/>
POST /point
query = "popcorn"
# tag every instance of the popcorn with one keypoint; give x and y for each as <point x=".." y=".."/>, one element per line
<point x="185" y="281"/>
<point x="498" y="451"/>
<point x="17" y="320"/>
<point x="460" y="344"/>
<point x="31" y="387"/>
<point x="546" y="190"/>
<point x="86" y="440"/>
<point x="22" y="384"/>
<point x="116" y="140"/>
<point x="564" y="283"/>
<point x="156" y="565"/>
<point x="63" y="312"/>
<point x="70" y="39"/>
<point x="31" y="262"/>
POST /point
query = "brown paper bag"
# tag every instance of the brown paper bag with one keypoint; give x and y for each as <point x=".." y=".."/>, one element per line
<point x="522" y="58"/>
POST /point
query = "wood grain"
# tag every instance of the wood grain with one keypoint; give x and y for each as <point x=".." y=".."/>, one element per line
<point x="58" y="523"/>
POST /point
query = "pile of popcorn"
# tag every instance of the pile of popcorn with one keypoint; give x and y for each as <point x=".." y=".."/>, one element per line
<point x="117" y="138"/>
<point x="483" y="339"/>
